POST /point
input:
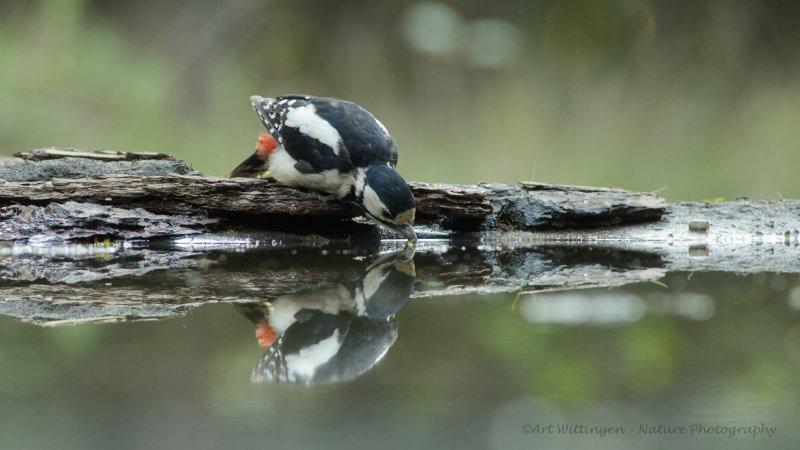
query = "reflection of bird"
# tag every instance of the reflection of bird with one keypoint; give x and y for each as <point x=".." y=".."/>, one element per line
<point x="333" y="334"/>
<point x="332" y="146"/>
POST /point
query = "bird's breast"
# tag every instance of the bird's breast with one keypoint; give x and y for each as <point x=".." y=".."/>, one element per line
<point x="332" y="181"/>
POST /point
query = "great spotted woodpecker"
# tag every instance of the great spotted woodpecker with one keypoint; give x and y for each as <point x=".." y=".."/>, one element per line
<point x="333" y="333"/>
<point x="336" y="147"/>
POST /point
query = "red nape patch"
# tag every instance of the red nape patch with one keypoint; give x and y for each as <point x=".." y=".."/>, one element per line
<point x="265" y="334"/>
<point x="265" y="146"/>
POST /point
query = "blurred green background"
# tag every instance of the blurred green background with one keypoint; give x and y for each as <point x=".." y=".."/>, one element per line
<point x="702" y="98"/>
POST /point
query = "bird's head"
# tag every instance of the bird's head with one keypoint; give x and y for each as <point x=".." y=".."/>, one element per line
<point x="385" y="198"/>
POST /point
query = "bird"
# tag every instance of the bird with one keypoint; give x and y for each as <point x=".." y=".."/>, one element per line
<point x="333" y="333"/>
<point x="336" y="147"/>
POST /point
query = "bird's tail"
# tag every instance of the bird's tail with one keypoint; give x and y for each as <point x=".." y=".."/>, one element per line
<point x="260" y="104"/>
<point x="252" y="167"/>
<point x="257" y="165"/>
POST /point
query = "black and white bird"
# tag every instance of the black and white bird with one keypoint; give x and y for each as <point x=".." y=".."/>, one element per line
<point x="332" y="146"/>
<point x="334" y="333"/>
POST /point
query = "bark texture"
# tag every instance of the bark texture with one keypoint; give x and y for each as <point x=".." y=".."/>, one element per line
<point x="149" y="195"/>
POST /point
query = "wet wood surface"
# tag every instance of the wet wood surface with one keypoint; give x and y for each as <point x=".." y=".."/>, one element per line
<point x="116" y="284"/>
<point x="132" y="185"/>
<point x="89" y="245"/>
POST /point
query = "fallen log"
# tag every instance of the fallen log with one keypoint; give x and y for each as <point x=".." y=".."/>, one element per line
<point x="41" y="154"/>
<point x="531" y="237"/>
<point x="143" y="185"/>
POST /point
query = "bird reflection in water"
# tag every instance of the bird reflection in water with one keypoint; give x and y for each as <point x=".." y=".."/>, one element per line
<point x="336" y="333"/>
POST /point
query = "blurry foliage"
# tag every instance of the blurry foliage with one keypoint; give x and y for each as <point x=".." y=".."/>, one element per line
<point x="698" y="96"/>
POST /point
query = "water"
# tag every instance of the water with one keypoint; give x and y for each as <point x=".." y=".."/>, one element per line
<point x="625" y="367"/>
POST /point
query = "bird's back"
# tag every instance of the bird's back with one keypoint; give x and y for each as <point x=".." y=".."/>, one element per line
<point x="328" y="132"/>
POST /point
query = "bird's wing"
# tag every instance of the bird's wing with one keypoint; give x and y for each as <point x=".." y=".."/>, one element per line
<point x="366" y="139"/>
<point x="306" y="136"/>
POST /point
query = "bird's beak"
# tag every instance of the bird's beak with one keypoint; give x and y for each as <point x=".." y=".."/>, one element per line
<point x="407" y="230"/>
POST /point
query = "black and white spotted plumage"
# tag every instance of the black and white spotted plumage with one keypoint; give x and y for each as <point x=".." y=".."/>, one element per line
<point x="333" y="333"/>
<point x="327" y="133"/>
<point x="337" y="147"/>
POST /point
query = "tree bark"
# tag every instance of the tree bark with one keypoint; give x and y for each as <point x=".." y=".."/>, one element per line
<point x="533" y="237"/>
<point x="83" y="193"/>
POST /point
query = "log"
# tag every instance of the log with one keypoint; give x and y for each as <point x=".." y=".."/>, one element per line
<point x="150" y="184"/>
<point x="67" y="221"/>
<point x="47" y="164"/>
<point x="41" y="154"/>
<point x="92" y="244"/>
<point x="230" y="196"/>
<point x="68" y="283"/>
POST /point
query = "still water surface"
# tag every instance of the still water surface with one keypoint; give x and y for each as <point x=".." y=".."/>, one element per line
<point x="354" y="362"/>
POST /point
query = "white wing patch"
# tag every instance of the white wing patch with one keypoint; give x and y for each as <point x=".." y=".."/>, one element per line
<point x="305" y="118"/>
<point x="304" y="365"/>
